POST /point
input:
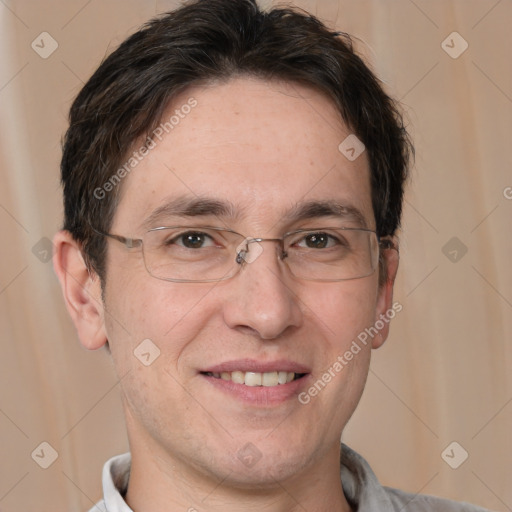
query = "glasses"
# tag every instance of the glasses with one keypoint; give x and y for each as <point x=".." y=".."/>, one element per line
<point x="189" y="254"/>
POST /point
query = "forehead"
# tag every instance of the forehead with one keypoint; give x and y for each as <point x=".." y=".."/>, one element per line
<point x="264" y="148"/>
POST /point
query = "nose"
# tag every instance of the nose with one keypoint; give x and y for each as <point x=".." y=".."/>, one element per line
<point x="261" y="295"/>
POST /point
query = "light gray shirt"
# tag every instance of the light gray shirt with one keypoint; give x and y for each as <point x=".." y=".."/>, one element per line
<point x="360" y="485"/>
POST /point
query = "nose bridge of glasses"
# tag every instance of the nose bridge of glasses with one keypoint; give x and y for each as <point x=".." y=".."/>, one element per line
<point x="244" y="252"/>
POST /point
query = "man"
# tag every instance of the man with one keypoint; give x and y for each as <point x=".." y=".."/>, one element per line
<point x="233" y="183"/>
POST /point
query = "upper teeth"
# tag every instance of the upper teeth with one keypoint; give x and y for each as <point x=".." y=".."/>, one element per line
<point x="256" y="378"/>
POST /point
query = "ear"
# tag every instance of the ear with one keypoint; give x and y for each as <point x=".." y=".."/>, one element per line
<point x="81" y="289"/>
<point x="389" y="267"/>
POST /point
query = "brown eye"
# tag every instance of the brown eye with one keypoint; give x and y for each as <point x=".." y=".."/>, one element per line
<point x="317" y="241"/>
<point x="191" y="240"/>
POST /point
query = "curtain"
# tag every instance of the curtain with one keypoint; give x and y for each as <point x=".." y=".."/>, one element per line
<point x="436" y="415"/>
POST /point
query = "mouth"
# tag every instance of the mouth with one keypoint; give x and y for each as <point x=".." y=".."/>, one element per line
<point x="258" y="383"/>
<point x="257" y="379"/>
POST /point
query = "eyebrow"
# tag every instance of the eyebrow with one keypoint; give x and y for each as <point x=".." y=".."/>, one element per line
<point x="185" y="206"/>
<point x="326" y="208"/>
<point x="190" y="207"/>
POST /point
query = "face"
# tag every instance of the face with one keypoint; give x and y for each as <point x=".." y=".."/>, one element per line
<point x="261" y="151"/>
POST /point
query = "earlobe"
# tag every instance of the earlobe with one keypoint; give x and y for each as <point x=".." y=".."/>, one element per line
<point x="81" y="289"/>
<point x="385" y="295"/>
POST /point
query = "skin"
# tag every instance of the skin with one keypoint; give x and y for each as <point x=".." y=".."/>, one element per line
<point x="264" y="147"/>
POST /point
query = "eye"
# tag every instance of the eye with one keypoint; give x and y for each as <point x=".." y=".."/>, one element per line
<point x="192" y="240"/>
<point x="318" y="241"/>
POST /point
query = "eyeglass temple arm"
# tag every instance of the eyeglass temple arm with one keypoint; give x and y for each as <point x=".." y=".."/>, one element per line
<point x="130" y="243"/>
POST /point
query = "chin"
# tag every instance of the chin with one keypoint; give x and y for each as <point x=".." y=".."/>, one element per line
<point x="262" y="463"/>
<point x="267" y="473"/>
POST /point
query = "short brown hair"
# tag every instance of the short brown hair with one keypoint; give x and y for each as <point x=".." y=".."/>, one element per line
<point x="207" y="40"/>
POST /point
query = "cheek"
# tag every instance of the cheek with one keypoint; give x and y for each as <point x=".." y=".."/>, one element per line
<point x="151" y="327"/>
<point x="142" y="308"/>
<point x="341" y="312"/>
<point x="344" y="309"/>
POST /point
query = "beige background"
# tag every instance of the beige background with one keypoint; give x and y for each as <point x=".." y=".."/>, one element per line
<point x="445" y="373"/>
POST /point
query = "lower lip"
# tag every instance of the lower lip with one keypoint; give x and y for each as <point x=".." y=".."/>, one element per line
<point x="260" y="395"/>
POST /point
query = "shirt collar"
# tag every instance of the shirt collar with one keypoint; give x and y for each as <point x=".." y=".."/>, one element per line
<point x="116" y="473"/>
<point x="360" y="485"/>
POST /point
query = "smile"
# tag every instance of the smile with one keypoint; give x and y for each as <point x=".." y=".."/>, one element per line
<point x="253" y="379"/>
